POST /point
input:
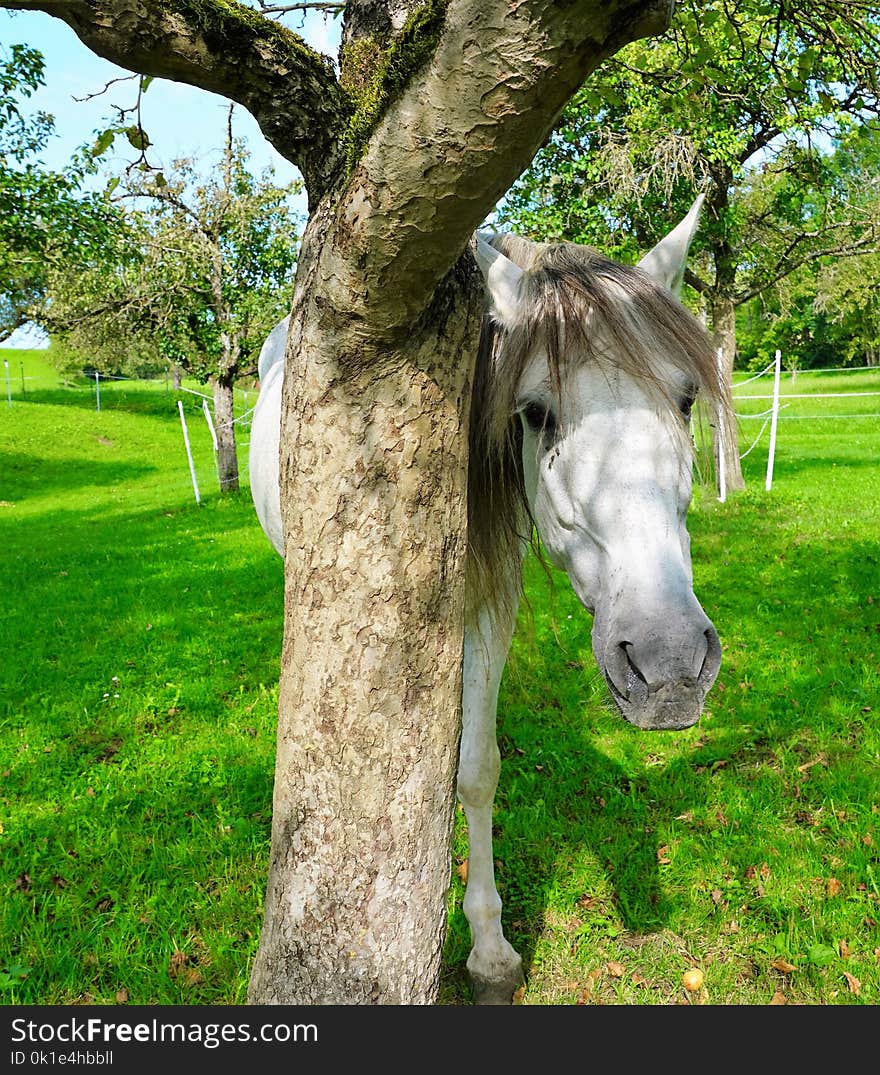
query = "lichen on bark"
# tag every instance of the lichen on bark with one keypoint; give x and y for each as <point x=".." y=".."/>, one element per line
<point x="375" y="74"/>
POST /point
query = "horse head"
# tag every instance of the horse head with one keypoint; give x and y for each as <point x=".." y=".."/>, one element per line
<point x="602" y="364"/>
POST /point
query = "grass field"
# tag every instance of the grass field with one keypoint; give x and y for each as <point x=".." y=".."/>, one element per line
<point x="140" y="638"/>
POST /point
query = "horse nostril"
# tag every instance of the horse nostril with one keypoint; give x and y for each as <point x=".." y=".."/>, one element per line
<point x="712" y="658"/>
<point x="636" y="684"/>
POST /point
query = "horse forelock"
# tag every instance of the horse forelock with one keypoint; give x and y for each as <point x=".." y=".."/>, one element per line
<point x="584" y="307"/>
<point x="579" y="306"/>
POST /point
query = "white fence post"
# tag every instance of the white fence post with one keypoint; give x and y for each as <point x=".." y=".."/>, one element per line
<point x="192" y="469"/>
<point x="97" y="390"/>
<point x="773" y="416"/>
<point x="207" y="412"/>
<point x="722" y="476"/>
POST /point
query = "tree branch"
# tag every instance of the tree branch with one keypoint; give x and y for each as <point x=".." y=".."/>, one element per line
<point x="468" y="123"/>
<point x="695" y="281"/>
<point x="327" y="6"/>
<point x="865" y="245"/>
<point x="227" y="48"/>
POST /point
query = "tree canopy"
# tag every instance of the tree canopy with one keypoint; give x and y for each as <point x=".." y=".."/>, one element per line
<point x="197" y="273"/>
<point x="739" y="101"/>
<point x="45" y="218"/>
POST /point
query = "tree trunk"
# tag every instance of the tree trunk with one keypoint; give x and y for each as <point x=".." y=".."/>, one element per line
<point x="374" y="464"/>
<point x="724" y="334"/>
<point x="224" y="429"/>
<point x="176" y="376"/>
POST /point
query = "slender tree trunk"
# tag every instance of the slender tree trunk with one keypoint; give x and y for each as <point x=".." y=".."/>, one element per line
<point x="176" y="376"/>
<point x="724" y="334"/>
<point x="224" y="428"/>
<point x="364" y="787"/>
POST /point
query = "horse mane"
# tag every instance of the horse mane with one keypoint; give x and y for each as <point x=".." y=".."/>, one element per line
<point x="580" y="305"/>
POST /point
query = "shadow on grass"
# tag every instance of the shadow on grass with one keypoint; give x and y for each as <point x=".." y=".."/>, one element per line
<point x="145" y="399"/>
<point x="560" y="798"/>
<point x="549" y="819"/>
<point x="29" y="475"/>
<point x="146" y="588"/>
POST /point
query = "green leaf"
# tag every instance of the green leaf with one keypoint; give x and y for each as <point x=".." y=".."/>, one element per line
<point x="103" y="141"/>
<point x="821" y="954"/>
<point x="138" y="137"/>
<point x="145" y="82"/>
<point x="12" y="976"/>
<point x="780" y="944"/>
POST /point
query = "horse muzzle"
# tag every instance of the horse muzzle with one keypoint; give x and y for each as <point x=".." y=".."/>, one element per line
<point x="660" y="682"/>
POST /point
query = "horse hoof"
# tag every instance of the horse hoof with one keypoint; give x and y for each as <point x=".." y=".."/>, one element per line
<point x="497" y="990"/>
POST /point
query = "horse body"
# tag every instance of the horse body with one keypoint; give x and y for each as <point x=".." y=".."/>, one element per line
<point x="579" y="432"/>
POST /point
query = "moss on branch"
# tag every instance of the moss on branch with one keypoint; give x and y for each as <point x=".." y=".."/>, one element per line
<point x="229" y="24"/>
<point x="375" y="73"/>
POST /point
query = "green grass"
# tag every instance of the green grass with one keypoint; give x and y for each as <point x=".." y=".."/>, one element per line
<point x="141" y="637"/>
<point x="750" y="842"/>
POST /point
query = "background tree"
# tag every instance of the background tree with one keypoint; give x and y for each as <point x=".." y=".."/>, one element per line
<point x="198" y="275"/>
<point x="438" y="107"/>
<point x="848" y="296"/>
<point x="848" y="291"/>
<point x="822" y="312"/>
<point x="737" y="100"/>
<point x="44" y="217"/>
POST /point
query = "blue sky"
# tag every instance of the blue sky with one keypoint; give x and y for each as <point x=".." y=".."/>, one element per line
<point x="180" y="120"/>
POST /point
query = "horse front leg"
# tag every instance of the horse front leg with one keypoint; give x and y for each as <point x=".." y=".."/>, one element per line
<point x="495" y="968"/>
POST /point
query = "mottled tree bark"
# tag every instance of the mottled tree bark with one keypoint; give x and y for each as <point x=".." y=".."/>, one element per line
<point x="369" y="725"/>
<point x="224" y="430"/>
<point x="719" y="296"/>
<point x="374" y="436"/>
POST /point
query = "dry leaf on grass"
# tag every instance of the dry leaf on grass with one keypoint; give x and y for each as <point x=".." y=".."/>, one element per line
<point x="462" y="871"/>
<point x="178" y="967"/>
<point x="778" y="998"/>
<point x="587" y="992"/>
<point x="854" y="984"/>
<point x="616" y="970"/>
<point x="781" y="964"/>
<point x="833" y="887"/>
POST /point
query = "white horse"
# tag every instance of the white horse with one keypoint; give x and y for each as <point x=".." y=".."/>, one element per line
<point x="579" y="431"/>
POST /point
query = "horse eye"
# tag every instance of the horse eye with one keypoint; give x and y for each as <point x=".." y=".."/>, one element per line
<point x="686" y="402"/>
<point x="539" y="419"/>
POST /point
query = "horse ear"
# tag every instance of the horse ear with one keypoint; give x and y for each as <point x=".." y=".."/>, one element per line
<point x="502" y="279"/>
<point x="666" y="262"/>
